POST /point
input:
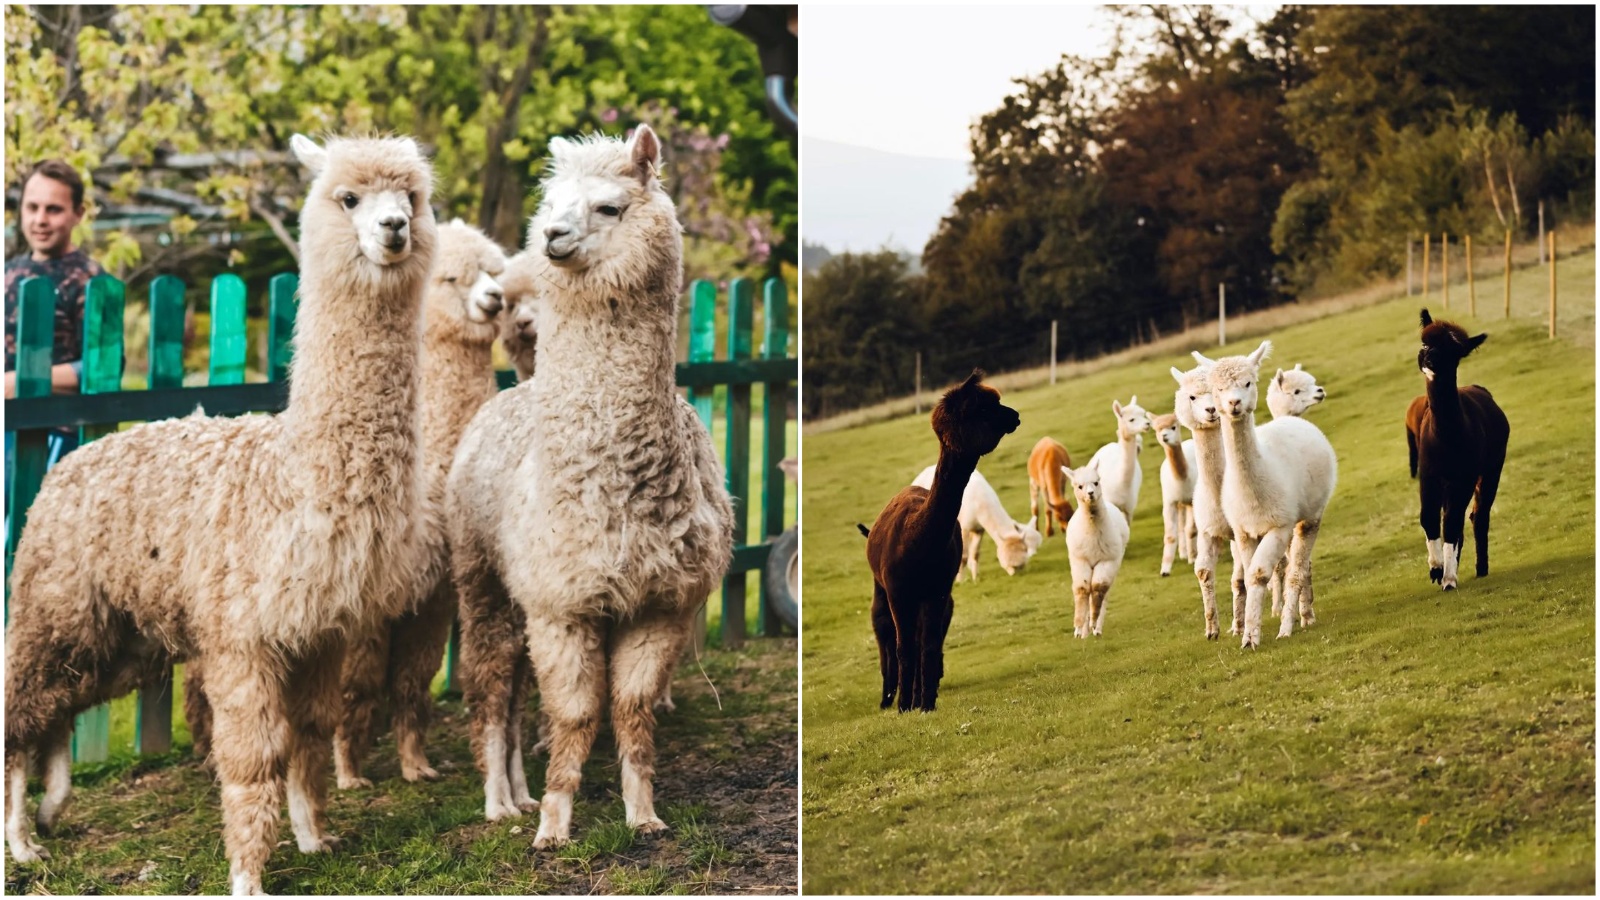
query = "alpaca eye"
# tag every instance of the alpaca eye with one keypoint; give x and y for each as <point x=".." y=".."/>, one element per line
<point x="451" y="279"/>
<point x="608" y="211"/>
<point x="411" y="198"/>
<point x="349" y="201"/>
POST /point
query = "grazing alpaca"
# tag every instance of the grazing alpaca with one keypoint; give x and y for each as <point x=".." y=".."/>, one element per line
<point x="253" y="544"/>
<point x="1118" y="462"/>
<point x="1457" y="439"/>
<point x="1096" y="539"/>
<point x="1277" y="485"/>
<point x="591" y="495"/>
<point x="520" y="325"/>
<point x="982" y="512"/>
<point x="914" y="548"/>
<point x="1293" y="392"/>
<point x="1197" y="411"/>
<point x="1044" y="477"/>
<point x="1177" y="492"/>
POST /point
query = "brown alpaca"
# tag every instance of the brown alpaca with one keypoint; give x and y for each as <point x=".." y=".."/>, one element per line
<point x="1457" y="439"/>
<point x="252" y="544"/>
<point x="1044" y="477"/>
<point x="914" y="548"/>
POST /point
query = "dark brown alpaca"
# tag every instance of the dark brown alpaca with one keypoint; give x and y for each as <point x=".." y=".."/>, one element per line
<point x="915" y="547"/>
<point x="1457" y="438"/>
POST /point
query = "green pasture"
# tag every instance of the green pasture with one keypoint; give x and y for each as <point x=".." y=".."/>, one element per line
<point x="1412" y="741"/>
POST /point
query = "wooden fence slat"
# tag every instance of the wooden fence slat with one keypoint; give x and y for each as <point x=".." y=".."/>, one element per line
<point x="775" y="408"/>
<point x="283" y="305"/>
<point x="737" y="458"/>
<point x="36" y="317"/>
<point x="227" y="329"/>
<point x="702" y="349"/>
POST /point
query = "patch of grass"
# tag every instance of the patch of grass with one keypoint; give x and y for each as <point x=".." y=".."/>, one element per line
<point x="1412" y="741"/>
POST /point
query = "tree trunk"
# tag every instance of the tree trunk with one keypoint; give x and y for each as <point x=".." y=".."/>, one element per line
<point x="500" y="214"/>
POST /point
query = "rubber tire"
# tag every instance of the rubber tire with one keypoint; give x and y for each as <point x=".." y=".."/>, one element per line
<point x="783" y="599"/>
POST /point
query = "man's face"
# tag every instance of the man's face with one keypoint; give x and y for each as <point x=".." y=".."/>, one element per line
<point x="48" y="217"/>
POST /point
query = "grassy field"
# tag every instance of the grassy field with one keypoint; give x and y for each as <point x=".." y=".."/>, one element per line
<point x="726" y="784"/>
<point x="1410" y="741"/>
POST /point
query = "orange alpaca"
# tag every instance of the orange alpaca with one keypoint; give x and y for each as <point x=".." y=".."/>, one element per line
<point x="1044" y="476"/>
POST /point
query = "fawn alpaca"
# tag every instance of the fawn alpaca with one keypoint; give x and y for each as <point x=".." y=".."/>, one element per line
<point x="1044" y="478"/>
<point x="914" y="548"/>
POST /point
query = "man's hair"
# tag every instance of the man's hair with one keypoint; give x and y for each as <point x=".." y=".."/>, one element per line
<point x="58" y="170"/>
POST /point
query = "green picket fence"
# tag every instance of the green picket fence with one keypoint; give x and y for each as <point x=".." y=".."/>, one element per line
<point x="103" y="406"/>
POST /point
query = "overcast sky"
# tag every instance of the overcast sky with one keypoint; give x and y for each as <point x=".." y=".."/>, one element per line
<point x="912" y="79"/>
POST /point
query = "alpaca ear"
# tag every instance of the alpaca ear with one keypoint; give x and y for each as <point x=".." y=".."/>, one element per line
<point x="1176" y="375"/>
<point x="1297" y="367"/>
<point x="1260" y="353"/>
<point x="1067" y="472"/>
<point x="1134" y="400"/>
<point x="310" y="155"/>
<point x="973" y="379"/>
<point x="1201" y="359"/>
<point x="1426" y="319"/>
<point x="1473" y="342"/>
<point x="1116" y="409"/>
<point x="644" y="149"/>
<point x="559" y="148"/>
<point x="1278" y="378"/>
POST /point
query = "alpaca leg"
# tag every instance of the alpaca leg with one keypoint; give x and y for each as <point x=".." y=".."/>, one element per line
<point x="973" y="539"/>
<point x="1240" y="560"/>
<point x="19" y="837"/>
<point x="313" y="709"/>
<point x="365" y="665"/>
<point x="197" y="709"/>
<point x="1488" y="488"/>
<point x="1205" y="571"/>
<point x="250" y="745"/>
<point x="57" y="765"/>
<point x="935" y="625"/>
<point x="908" y="650"/>
<point x="1263" y="555"/>
<point x="1298" y="598"/>
<point x="1192" y="531"/>
<point x="569" y="659"/>
<point x="516" y="770"/>
<point x="492" y="645"/>
<point x="1082" y="579"/>
<point x="415" y="656"/>
<point x="644" y="652"/>
<point x="1455" y="533"/>
<point x="1432" y="513"/>
<point x="883" y="630"/>
<point x="1169" y="536"/>
<point x="1100" y="587"/>
<point x="1277" y="587"/>
<point x="1033" y="508"/>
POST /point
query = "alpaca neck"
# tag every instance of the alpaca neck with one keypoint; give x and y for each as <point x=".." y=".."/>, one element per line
<point x="1210" y="458"/>
<point x="1176" y="459"/>
<point x="950" y="479"/>
<point x="1444" y="402"/>
<point x="1130" y="456"/>
<point x="1244" y="453"/>
<point x="458" y="378"/>
<point x="355" y="385"/>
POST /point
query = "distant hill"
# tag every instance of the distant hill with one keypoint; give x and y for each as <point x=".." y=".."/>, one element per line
<point x="859" y="199"/>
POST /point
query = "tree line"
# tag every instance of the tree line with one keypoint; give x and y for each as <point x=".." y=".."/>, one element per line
<point x="1298" y="155"/>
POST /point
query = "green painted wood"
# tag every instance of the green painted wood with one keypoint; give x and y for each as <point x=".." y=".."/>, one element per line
<point x="227" y="329"/>
<point x="775" y="422"/>
<point x="283" y="305"/>
<point x="452" y="660"/>
<point x="702" y="344"/>
<point x="152" y="723"/>
<point x="138" y="406"/>
<point x="36" y="315"/>
<point x="737" y="458"/>
<point x="166" y="332"/>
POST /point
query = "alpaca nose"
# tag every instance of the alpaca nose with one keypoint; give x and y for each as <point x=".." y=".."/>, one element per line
<point x="393" y="223"/>
<point x="1211" y="410"/>
<point x="1233" y="406"/>
<point x="494" y="301"/>
<point x="553" y="232"/>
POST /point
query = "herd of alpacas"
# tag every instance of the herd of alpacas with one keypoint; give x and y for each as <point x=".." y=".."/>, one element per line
<point x="307" y="565"/>
<point x="1260" y="491"/>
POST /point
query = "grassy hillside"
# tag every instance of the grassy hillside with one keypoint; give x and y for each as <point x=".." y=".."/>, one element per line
<point x="1411" y="741"/>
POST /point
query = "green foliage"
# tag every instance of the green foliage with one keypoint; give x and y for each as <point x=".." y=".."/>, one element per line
<point x="862" y="315"/>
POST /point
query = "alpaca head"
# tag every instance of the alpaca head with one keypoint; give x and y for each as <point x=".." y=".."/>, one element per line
<point x="1085" y="484"/>
<point x="521" y="283"/>
<point x="1132" y="420"/>
<point x="970" y="419"/>
<point x="1236" y="382"/>
<point x="1294" y="391"/>
<point x="603" y="212"/>
<point x="1193" y="403"/>
<point x="368" y="202"/>
<point x="1166" y="429"/>
<point x="462" y="286"/>
<point x="1015" y="549"/>
<point x="1444" y="345"/>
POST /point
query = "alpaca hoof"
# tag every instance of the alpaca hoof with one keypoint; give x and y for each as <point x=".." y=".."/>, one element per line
<point x="1436" y="574"/>
<point x="1165" y="572"/>
<point x="546" y="841"/>
<point x="420" y="773"/>
<point x="887" y="702"/>
<point x="527" y="804"/>
<point x="651" y="825"/>
<point x="1482" y="571"/>
<point x="353" y="783"/>
<point x="1450" y="585"/>
<point x="28" y="851"/>
<point x="496" y="811"/>
<point x="666" y="705"/>
<point x="1308" y="619"/>
<point x="1213" y="634"/>
<point x="326" y="843"/>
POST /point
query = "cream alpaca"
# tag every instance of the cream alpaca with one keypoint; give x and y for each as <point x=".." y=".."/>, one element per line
<point x="1097" y="537"/>
<point x="591" y="496"/>
<point x="1119" y="461"/>
<point x="1278" y="482"/>
<point x="520" y="327"/>
<point x="1177" y="492"/>
<point x="1196" y="411"/>
<point x="1291" y="392"/>
<point x="981" y="513"/>
<point x="253" y="544"/>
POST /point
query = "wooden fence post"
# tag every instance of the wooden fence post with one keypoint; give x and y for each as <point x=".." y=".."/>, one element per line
<point x="1426" y="250"/>
<point x="737" y="460"/>
<point x="1444" y="267"/>
<point x="1542" y="255"/>
<point x="1472" y="289"/>
<point x="1410" y="251"/>
<point x="36" y="319"/>
<point x="1551" y="237"/>
<point x="775" y="418"/>
<point x="1508" y="273"/>
<point x="1053" y="324"/>
<point x="917" y="392"/>
<point x="702" y="348"/>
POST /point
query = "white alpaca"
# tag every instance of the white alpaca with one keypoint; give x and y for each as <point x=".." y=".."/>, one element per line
<point x="1278" y="482"/>
<point x="1177" y="492"/>
<point x="519" y="333"/>
<point x="1118" y="462"/>
<point x="1196" y="411"/>
<point x="1292" y="392"/>
<point x="1097" y="537"/>
<point x="981" y="512"/>
<point x="591" y="495"/>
